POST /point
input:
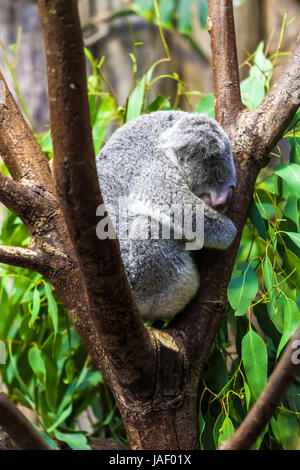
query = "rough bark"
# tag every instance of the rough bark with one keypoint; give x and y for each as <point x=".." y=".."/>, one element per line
<point x="153" y="374"/>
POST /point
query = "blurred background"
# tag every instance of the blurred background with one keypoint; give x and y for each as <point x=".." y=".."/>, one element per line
<point x="112" y="27"/>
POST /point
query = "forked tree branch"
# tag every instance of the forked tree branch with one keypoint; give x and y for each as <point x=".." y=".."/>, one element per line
<point x="124" y="338"/>
<point x="263" y="410"/>
<point x="18" y="427"/>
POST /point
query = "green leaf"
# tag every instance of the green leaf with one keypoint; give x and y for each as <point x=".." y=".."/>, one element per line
<point x="274" y="306"/>
<point x="247" y="395"/>
<point x="206" y="105"/>
<point x="255" y="360"/>
<point x="160" y="103"/>
<point x="291" y="210"/>
<point x="184" y="23"/>
<point x="69" y="370"/>
<point x="46" y="438"/>
<point x="61" y="418"/>
<point x="35" y="305"/>
<point x="202" y="12"/>
<point x="288" y="430"/>
<point x="262" y="68"/>
<point x="291" y="264"/>
<point x="167" y="9"/>
<point x="77" y="441"/>
<point x="226" y="430"/>
<point x="52" y="307"/>
<point x="36" y="361"/>
<point x="257" y="220"/>
<point x="291" y="322"/>
<point x="105" y="113"/>
<point x="51" y="382"/>
<point x="242" y="289"/>
<point x="217" y="428"/>
<point x="268" y="274"/>
<point x="295" y="150"/>
<point x="295" y="237"/>
<point x="290" y="173"/>
<point x="45" y="141"/>
<point x="252" y="92"/>
<point x="13" y="47"/>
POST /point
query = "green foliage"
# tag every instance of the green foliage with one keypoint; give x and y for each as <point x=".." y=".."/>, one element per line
<point x="47" y="367"/>
<point x="253" y="88"/>
<point x="173" y="13"/>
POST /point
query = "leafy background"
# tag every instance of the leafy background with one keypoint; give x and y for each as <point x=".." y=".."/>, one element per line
<point x="47" y="367"/>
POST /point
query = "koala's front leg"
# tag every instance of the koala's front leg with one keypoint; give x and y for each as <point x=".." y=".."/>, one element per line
<point x="219" y="230"/>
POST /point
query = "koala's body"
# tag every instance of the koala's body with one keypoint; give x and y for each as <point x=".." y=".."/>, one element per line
<point x="167" y="159"/>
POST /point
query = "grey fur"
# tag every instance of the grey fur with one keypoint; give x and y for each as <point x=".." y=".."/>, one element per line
<point x="161" y="159"/>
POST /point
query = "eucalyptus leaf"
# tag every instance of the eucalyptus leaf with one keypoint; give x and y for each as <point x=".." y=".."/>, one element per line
<point x="226" y="430"/>
<point x="290" y="173"/>
<point x="52" y="307"/>
<point x="36" y="361"/>
<point x="242" y="290"/>
<point x="206" y="105"/>
<point x="255" y="361"/>
<point x="76" y="441"/>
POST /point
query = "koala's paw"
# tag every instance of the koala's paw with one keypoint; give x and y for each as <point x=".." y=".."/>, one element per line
<point x="228" y="234"/>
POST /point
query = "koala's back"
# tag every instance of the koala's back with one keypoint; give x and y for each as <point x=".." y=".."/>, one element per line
<point x="130" y="150"/>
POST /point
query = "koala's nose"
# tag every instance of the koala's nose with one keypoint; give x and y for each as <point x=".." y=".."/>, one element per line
<point x="221" y="200"/>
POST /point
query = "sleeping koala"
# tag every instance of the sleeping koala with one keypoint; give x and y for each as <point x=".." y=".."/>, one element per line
<point x="162" y="162"/>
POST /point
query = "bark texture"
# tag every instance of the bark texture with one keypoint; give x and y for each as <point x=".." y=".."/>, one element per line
<point x="153" y="374"/>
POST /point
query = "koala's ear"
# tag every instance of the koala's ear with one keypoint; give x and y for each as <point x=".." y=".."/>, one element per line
<point x="169" y="139"/>
<point x="188" y="132"/>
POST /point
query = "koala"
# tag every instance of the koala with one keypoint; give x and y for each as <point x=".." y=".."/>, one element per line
<point x="158" y="161"/>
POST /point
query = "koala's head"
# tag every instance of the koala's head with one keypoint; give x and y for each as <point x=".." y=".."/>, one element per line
<point x="202" y="150"/>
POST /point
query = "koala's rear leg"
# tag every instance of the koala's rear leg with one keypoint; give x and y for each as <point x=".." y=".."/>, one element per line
<point x="162" y="275"/>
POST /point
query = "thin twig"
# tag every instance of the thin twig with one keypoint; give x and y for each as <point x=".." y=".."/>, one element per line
<point x="23" y="257"/>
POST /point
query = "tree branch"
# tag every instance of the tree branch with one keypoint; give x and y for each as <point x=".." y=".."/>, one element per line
<point x="225" y="62"/>
<point x="18" y="427"/>
<point x="23" y="257"/>
<point x="25" y="201"/>
<point x="263" y="410"/>
<point x="124" y="339"/>
<point x="18" y="147"/>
